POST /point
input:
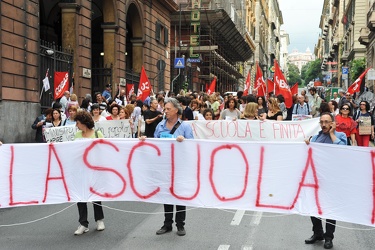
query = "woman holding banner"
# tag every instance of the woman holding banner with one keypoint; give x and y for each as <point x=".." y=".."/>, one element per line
<point x="85" y="124"/>
<point x="365" y="121"/>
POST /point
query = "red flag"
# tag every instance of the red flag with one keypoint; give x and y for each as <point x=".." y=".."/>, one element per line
<point x="259" y="82"/>
<point x="247" y="85"/>
<point x="144" y="87"/>
<point x="270" y="86"/>
<point x="356" y="86"/>
<point x="294" y="89"/>
<point x="212" y="87"/>
<point x="61" y="84"/>
<point x="282" y="86"/>
<point x="129" y="90"/>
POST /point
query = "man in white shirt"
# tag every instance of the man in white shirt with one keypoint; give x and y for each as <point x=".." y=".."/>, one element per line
<point x="336" y="98"/>
<point x="64" y="100"/>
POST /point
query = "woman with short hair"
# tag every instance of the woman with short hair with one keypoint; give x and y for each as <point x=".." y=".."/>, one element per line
<point x="85" y="124"/>
<point x="95" y="112"/>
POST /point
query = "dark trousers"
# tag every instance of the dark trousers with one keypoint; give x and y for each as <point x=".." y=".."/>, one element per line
<point x="180" y="215"/>
<point x="318" y="228"/>
<point x="82" y="211"/>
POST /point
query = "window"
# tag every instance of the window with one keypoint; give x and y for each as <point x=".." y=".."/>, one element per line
<point x="161" y="33"/>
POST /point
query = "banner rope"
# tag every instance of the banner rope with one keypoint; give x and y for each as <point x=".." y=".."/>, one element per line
<point x="190" y="209"/>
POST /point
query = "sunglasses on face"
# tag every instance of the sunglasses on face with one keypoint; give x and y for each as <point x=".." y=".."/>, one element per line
<point x="345" y="109"/>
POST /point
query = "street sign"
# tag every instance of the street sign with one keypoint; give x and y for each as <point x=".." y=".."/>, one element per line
<point x="345" y="70"/>
<point x="272" y="69"/>
<point x="179" y="63"/>
<point x="194" y="60"/>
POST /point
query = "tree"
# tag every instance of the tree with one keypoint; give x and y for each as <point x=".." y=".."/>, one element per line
<point x="304" y="70"/>
<point x="314" y="71"/>
<point x="293" y="75"/>
<point x="357" y="66"/>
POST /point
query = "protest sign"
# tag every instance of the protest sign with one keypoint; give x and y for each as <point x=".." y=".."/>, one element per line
<point x="255" y="130"/>
<point x="109" y="129"/>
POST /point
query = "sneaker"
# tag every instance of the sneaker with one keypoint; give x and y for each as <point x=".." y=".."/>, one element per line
<point x="163" y="230"/>
<point x="81" y="230"/>
<point x="181" y="231"/>
<point x="100" y="225"/>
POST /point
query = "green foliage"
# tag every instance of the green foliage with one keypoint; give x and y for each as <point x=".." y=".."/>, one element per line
<point x="293" y="75"/>
<point x="314" y="71"/>
<point x="357" y="66"/>
<point x="304" y="70"/>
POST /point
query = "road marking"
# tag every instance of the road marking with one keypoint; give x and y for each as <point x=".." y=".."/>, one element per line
<point x="255" y="221"/>
<point x="237" y="217"/>
<point x="256" y="218"/>
<point x="223" y="247"/>
<point x="247" y="248"/>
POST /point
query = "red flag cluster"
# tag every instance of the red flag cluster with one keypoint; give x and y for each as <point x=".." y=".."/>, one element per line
<point x="144" y="87"/>
<point x="282" y="86"/>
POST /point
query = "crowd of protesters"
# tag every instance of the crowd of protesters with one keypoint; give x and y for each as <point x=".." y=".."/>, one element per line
<point x="347" y="110"/>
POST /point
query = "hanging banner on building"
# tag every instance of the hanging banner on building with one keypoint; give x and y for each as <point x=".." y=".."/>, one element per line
<point x="308" y="180"/>
<point x="61" y="84"/>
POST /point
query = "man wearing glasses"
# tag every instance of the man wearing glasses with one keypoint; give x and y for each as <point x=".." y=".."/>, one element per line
<point x="329" y="135"/>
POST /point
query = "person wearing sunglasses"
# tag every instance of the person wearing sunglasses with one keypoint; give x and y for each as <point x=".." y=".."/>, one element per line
<point x="329" y="134"/>
<point x="346" y="124"/>
<point x="363" y="135"/>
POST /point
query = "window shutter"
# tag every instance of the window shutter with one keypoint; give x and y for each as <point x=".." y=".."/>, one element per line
<point x="166" y="36"/>
<point x="157" y="31"/>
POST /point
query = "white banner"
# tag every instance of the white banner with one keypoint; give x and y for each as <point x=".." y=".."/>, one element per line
<point x="110" y="129"/>
<point x="289" y="177"/>
<point x="250" y="130"/>
<point x="213" y="130"/>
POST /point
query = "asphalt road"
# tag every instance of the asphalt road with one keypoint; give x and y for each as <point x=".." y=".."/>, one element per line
<point x="133" y="225"/>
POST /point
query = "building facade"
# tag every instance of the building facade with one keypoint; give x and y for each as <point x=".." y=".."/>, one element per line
<point x="98" y="42"/>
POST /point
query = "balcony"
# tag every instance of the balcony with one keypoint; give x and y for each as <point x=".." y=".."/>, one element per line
<point x="364" y="34"/>
<point x="371" y="18"/>
<point x="345" y="55"/>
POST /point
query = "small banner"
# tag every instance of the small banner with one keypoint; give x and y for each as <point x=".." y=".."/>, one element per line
<point x="61" y="84"/>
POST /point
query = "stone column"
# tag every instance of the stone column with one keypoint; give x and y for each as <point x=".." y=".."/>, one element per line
<point x="137" y="49"/>
<point x="69" y="31"/>
<point x="109" y="35"/>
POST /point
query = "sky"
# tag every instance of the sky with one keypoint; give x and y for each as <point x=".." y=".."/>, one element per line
<point x="301" y="21"/>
